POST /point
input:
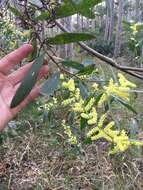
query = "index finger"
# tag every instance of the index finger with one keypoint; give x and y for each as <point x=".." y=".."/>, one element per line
<point x="8" y="62"/>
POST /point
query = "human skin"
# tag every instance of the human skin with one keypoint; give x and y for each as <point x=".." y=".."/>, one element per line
<point x="10" y="81"/>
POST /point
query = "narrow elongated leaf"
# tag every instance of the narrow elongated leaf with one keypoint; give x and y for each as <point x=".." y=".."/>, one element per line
<point x="83" y="90"/>
<point x="28" y="82"/>
<point x="72" y="64"/>
<point x="67" y="38"/>
<point x="134" y="128"/>
<point x="87" y="70"/>
<point x="51" y="85"/>
<point x="128" y="106"/>
<point x="98" y="98"/>
<point x="83" y="123"/>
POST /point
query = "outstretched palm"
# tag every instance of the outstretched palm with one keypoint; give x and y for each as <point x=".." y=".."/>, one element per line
<point x="10" y="82"/>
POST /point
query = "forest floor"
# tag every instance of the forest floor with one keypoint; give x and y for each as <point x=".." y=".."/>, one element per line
<point x="36" y="157"/>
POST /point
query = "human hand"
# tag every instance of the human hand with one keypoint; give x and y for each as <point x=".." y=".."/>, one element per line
<point x="9" y="82"/>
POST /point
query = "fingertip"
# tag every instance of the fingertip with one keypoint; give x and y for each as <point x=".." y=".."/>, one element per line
<point x="43" y="72"/>
<point x="27" y="47"/>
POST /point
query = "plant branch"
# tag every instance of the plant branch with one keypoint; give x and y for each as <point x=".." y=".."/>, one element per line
<point x="109" y="61"/>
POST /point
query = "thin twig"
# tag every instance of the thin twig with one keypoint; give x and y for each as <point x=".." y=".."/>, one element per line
<point x="111" y="62"/>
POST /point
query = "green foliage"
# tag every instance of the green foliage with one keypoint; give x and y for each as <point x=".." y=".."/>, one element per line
<point x="70" y="7"/>
<point x="50" y="85"/>
<point x="87" y="70"/>
<point x="28" y="82"/>
<point x="10" y="36"/>
<point x="67" y="38"/>
<point x="103" y="47"/>
<point x="134" y="42"/>
<point x="89" y="113"/>
<point x="72" y="64"/>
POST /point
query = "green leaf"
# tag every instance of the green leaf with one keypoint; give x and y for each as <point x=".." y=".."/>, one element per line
<point x="28" y="82"/>
<point x="83" y="90"/>
<point x="87" y="70"/>
<point x="70" y="7"/>
<point x="134" y="128"/>
<point x="50" y="85"/>
<point x="87" y="141"/>
<point x="98" y="98"/>
<point x="83" y="123"/>
<point x="72" y="64"/>
<point x="128" y="106"/>
<point x="85" y="7"/>
<point x="66" y="38"/>
<point x="15" y="11"/>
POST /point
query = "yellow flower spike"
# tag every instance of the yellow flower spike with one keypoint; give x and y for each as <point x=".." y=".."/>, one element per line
<point x="62" y="76"/>
<point x="101" y="121"/>
<point x="68" y="101"/>
<point x="71" y="85"/>
<point x="112" y="133"/>
<point x="136" y="143"/>
<point x="72" y="140"/>
<point x="109" y="126"/>
<point x="78" y="107"/>
<point x="77" y="94"/>
<point x="90" y="104"/>
<point x="92" y="121"/>
<point x="103" y="98"/>
<point x="65" y="84"/>
<point x="122" y="94"/>
<point x="85" y="116"/>
<point x="124" y="82"/>
<point x="93" y="131"/>
<point x="122" y="141"/>
<point x="101" y="134"/>
<point x="92" y="114"/>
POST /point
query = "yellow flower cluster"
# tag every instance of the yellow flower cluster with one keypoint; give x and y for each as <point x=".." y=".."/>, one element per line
<point x="70" y="85"/>
<point x="78" y="105"/>
<point x="71" y="138"/>
<point x="75" y="98"/>
<point x="119" y="139"/>
<point x="87" y="110"/>
<point x="90" y="116"/>
<point x="120" y="90"/>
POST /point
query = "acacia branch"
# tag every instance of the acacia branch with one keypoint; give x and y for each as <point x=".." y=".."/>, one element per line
<point x="109" y="61"/>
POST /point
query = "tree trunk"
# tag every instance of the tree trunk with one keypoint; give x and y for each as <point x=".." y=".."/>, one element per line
<point x="107" y="24"/>
<point x="111" y="27"/>
<point x="119" y="29"/>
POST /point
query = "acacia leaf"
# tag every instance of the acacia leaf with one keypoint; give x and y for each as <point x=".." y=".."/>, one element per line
<point x="66" y="38"/>
<point x="50" y="85"/>
<point x="28" y="82"/>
